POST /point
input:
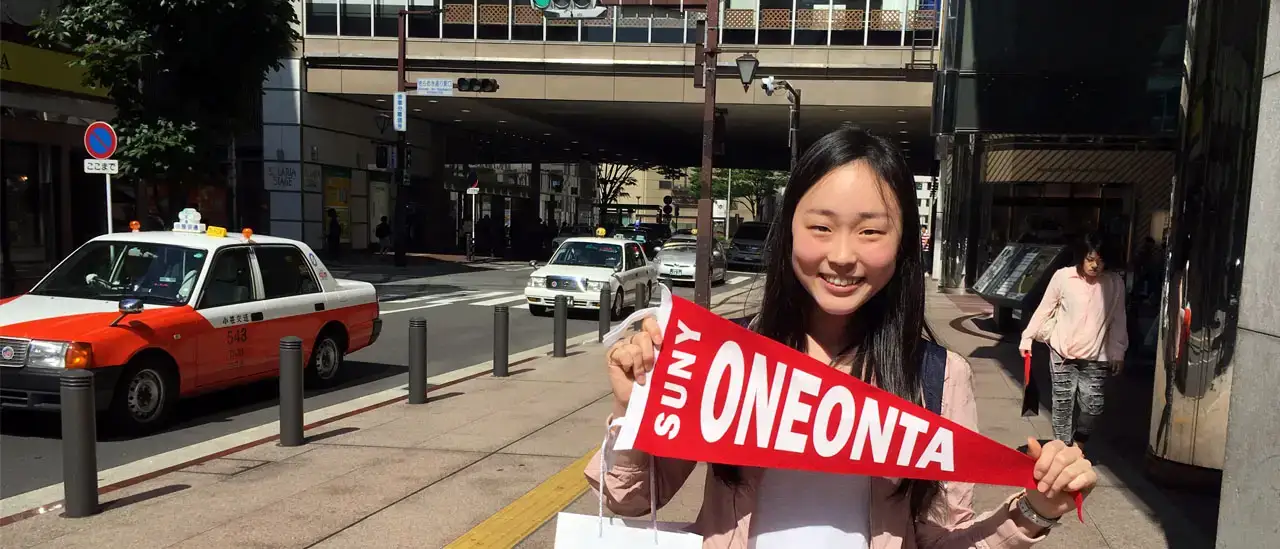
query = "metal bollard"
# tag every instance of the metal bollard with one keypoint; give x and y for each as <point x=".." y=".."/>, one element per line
<point x="561" y="327"/>
<point x="606" y="312"/>
<point x="79" y="444"/>
<point x="417" y="360"/>
<point x="291" y="391"/>
<point x="501" y="337"/>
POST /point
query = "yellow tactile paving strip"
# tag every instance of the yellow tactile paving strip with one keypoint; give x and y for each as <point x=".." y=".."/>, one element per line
<point x="523" y="516"/>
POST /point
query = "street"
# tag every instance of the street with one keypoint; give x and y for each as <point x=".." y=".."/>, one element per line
<point x="458" y="307"/>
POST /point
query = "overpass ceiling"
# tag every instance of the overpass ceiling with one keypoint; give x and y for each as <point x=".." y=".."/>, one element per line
<point x="521" y="130"/>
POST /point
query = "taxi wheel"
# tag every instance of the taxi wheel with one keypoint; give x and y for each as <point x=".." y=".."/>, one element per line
<point x="145" y="397"/>
<point x="618" y="308"/>
<point x="326" y="361"/>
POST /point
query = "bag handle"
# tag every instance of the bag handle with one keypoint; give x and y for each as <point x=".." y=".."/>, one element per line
<point x="606" y="448"/>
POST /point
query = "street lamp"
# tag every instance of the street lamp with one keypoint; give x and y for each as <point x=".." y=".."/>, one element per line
<point x="747" y="65"/>
<point x="771" y="85"/>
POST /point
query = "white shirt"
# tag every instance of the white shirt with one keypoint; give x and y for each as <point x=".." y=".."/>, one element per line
<point x="811" y="510"/>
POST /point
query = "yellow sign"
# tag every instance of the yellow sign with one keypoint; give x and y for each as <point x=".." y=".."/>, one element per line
<point x="216" y="232"/>
<point x="43" y="68"/>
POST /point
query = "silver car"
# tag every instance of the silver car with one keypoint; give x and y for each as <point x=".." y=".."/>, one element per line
<point x="678" y="256"/>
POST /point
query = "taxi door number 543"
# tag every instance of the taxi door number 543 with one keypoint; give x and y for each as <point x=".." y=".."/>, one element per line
<point x="237" y="335"/>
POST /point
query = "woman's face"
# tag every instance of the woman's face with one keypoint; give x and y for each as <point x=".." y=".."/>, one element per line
<point x="1092" y="265"/>
<point x="845" y="237"/>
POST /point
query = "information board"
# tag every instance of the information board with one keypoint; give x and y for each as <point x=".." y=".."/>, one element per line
<point x="1017" y="272"/>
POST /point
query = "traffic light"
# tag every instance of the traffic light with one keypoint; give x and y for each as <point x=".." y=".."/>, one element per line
<point x="484" y="85"/>
<point x="569" y="9"/>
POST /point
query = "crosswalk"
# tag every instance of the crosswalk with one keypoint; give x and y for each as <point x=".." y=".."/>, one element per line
<point x="393" y="303"/>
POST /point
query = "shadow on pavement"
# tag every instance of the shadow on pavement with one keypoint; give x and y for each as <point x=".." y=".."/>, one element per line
<point x="144" y="496"/>
<point x="330" y="434"/>
<point x="1188" y="518"/>
<point x="408" y="291"/>
<point x="215" y="407"/>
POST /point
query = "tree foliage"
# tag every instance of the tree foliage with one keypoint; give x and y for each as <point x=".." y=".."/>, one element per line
<point x="184" y="74"/>
<point x="750" y="187"/>
<point x="612" y="180"/>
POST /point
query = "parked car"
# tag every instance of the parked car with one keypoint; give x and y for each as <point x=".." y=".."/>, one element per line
<point x="747" y="245"/>
<point x="582" y="267"/>
<point x="162" y="315"/>
<point x="677" y="260"/>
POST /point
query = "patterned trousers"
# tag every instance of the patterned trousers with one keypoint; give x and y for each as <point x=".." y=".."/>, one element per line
<point x="1076" y="382"/>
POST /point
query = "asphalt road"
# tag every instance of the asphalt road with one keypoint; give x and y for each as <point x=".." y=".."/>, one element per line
<point x="458" y="308"/>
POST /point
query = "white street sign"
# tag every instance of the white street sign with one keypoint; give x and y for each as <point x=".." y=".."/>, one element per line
<point x="109" y="167"/>
<point x="720" y="208"/>
<point x="400" y="117"/>
<point x="473" y="190"/>
<point x="435" y="86"/>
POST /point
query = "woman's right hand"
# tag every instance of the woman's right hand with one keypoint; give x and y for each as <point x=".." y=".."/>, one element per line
<point x="630" y="361"/>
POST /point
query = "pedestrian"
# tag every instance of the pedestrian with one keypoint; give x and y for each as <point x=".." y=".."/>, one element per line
<point x="334" y="234"/>
<point x="1082" y="320"/>
<point x="383" y="233"/>
<point x="844" y="285"/>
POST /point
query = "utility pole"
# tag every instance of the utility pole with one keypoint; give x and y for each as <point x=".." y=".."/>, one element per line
<point x="706" y="231"/>
<point x="400" y="238"/>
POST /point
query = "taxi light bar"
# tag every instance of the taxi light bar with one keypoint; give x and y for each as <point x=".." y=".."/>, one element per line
<point x="247" y="233"/>
<point x="189" y="222"/>
<point x="79" y="355"/>
<point x="135" y="226"/>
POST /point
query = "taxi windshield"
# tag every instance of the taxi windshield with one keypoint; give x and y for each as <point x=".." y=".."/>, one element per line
<point x="588" y="254"/>
<point x="155" y="273"/>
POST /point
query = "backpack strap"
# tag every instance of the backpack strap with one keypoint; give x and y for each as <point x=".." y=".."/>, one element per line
<point x="933" y="374"/>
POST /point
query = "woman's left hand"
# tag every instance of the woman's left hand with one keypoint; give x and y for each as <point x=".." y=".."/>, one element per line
<point x="1060" y="470"/>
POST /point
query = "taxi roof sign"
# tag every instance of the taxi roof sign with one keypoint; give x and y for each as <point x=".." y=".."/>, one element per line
<point x="216" y="232"/>
<point x="189" y="222"/>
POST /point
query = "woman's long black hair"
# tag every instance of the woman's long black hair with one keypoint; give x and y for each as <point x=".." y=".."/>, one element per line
<point x="885" y="345"/>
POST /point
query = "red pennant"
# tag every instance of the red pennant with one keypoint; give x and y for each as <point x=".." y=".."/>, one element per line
<point x="720" y="393"/>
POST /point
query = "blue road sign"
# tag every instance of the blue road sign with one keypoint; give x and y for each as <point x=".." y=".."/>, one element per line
<point x="100" y="140"/>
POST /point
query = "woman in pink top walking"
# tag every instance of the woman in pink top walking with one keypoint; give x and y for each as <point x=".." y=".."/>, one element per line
<point x="1082" y="319"/>
<point x="845" y="285"/>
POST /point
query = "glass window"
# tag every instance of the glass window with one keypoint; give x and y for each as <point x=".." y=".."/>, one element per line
<point x="285" y="272"/>
<point x="155" y="273"/>
<point x="588" y="254"/>
<point x="386" y="15"/>
<point x="22" y="193"/>
<point x="230" y="279"/>
<point x="322" y="17"/>
<point x="459" y="19"/>
<point x="635" y="257"/>
<point x="423" y="26"/>
<point x="357" y="18"/>
<point x="493" y="19"/>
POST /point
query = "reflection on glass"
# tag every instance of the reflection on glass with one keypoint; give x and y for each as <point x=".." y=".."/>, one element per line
<point x="526" y="23"/>
<point x="357" y="18"/>
<point x="423" y="26"/>
<point x="492" y="17"/>
<point x="601" y="29"/>
<point x="812" y="20"/>
<point x="459" y="19"/>
<point x="386" y="14"/>
<point x="322" y="17"/>
<point x="668" y="26"/>
<point x="633" y="24"/>
<point x="739" y="23"/>
<point x="775" y="22"/>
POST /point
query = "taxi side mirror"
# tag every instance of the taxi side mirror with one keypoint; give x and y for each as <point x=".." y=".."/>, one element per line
<point x="128" y="306"/>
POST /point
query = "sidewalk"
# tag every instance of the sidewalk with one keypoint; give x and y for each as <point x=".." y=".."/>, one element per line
<point x="488" y="462"/>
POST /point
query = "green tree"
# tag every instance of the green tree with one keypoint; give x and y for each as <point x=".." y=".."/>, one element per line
<point x="185" y="75"/>
<point x="749" y="187"/>
<point x="612" y="180"/>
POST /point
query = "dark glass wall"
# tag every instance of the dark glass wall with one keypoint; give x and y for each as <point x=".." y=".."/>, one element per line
<point x="1223" y="76"/>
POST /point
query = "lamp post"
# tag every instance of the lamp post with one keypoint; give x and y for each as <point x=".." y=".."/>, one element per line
<point x="747" y="65"/>
<point x="402" y="145"/>
<point x="771" y="85"/>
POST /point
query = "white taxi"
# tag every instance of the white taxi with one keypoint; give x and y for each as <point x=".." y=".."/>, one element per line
<point x="581" y="267"/>
<point x="161" y="315"/>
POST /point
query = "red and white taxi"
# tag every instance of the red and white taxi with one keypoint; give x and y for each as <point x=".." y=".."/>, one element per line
<point x="167" y="314"/>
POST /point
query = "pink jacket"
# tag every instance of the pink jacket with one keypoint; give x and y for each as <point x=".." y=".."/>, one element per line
<point x="1091" y="321"/>
<point x="725" y="519"/>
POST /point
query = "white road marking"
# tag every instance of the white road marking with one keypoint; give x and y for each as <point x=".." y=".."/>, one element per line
<point x="432" y="297"/>
<point x="500" y="300"/>
<point x="737" y="280"/>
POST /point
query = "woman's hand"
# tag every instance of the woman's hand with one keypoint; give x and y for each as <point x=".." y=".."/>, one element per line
<point x="1025" y="348"/>
<point x="630" y="360"/>
<point x="1059" y="471"/>
<point x="1117" y="366"/>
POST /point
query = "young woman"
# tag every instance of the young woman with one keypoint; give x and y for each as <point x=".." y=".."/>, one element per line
<point x="1087" y="340"/>
<point x="844" y="284"/>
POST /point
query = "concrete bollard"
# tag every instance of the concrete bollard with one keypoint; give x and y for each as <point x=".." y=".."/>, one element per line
<point x="291" y="392"/>
<point x="417" y="360"/>
<point x="79" y="443"/>
<point x="606" y="313"/>
<point x="561" y="327"/>
<point x="501" y="337"/>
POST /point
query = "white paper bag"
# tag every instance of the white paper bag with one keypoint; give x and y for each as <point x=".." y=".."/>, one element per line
<point x="574" y="531"/>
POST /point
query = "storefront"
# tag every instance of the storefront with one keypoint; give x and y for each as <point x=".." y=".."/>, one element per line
<point x="46" y="109"/>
